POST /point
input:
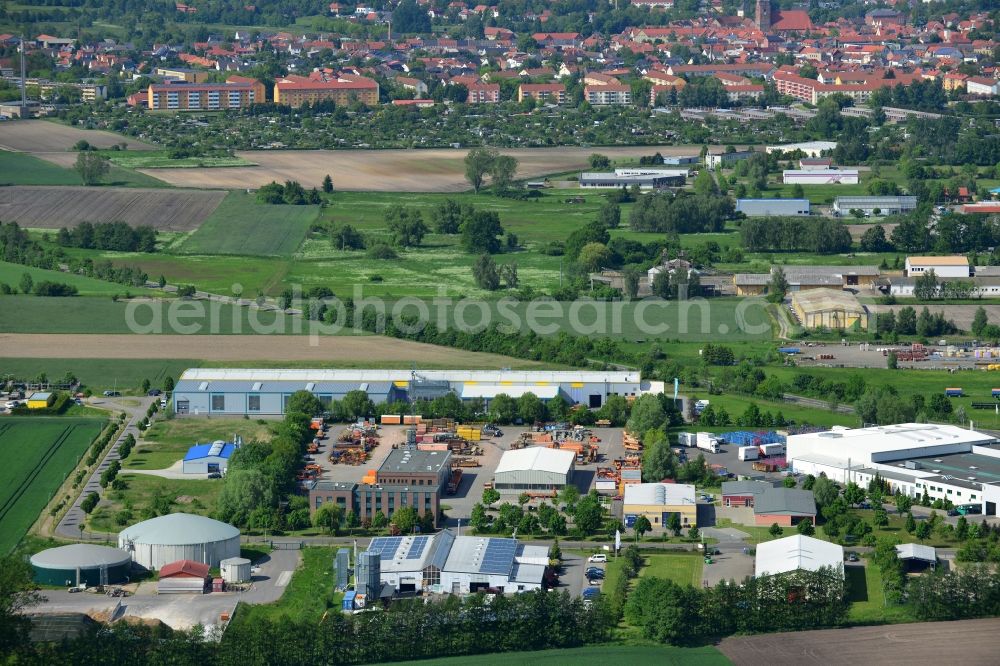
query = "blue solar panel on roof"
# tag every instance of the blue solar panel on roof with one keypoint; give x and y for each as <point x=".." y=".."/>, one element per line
<point x="499" y="556"/>
<point x="385" y="546"/>
<point x="417" y="548"/>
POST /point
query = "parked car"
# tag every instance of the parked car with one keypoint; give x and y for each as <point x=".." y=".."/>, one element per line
<point x="594" y="572"/>
<point x="215" y="475"/>
<point x="852" y="556"/>
<point x="153" y="392"/>
<point x="112" y="394"/>
<point x="598" y="557"/>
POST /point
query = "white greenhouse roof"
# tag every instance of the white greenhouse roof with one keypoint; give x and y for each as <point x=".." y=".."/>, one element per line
<point x="536" y="458"/>
<point x="797" y="553"/>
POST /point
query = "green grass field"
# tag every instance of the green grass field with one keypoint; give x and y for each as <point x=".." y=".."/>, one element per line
<point x="598" y="655"/>
<point x="195" y="496"/>
<point x="11" y="275"/>
<point x="98" y="374"/>
<point x="39" y="453"/>
<point x="158" y="159"/>
<point x="682" y="568"/>
<point x="167" y="441"/>
<point x="242" y="226"/>
<point x="308" y="595"/>
<point x="868" y="605"/>
<point x="736" y="405"/>
<point x="24" y="169"/>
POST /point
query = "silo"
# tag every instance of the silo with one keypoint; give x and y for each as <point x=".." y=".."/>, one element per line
<point x="367" y="574"/>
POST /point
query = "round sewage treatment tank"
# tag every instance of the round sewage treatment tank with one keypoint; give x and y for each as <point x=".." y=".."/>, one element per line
<point x="97" y="565"/>
<point x="180" y="536"/>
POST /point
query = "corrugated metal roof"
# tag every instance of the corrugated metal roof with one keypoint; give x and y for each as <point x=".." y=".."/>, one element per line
<point x="404" y="375"/>
<point x="786" y="501"/>
<point x="822" y="300"/>
<point x="199" y="451"/>
<point x="661" y="494"/>
<point x="490" y="391"/>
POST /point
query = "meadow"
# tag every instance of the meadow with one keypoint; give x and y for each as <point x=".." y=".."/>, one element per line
<point x="159" y="159"/>
<point x="166" y="442"/>
<point x="196" y="496"/>
<point x="681" y="567"/>
<point x="11" y="275"/>
<point x="242" y="226"/>
<point x="308" y="596"/>
<point x="25" y="169"/>
<point x="39" y="453"/>
<point x="125" y="375"/>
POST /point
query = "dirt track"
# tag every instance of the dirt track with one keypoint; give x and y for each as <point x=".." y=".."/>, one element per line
<point x="438" y="170"/>
<point x="52" y="207"/>
<point x="970" y="643"/>
<point x="43" y="136"/>
<point x="354" y="349"/>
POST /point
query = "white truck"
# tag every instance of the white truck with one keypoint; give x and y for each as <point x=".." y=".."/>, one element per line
<point x="748" y="453"/>
<point x="708" y="442"/>
<point x="687" y="439"/>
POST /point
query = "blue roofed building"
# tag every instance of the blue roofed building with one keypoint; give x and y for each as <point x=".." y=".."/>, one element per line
<point x="208" y="458"/>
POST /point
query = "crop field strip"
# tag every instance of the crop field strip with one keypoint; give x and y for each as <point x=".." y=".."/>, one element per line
<point x="38" y="462"/>
<point x="52" y="207"/>
<point x="241" y="226"/>
<point x="43" y="136"/>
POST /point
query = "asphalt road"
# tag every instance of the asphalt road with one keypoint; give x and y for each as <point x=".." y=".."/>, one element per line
<point x="72" y="521"/>
<point x="969" y="642"/>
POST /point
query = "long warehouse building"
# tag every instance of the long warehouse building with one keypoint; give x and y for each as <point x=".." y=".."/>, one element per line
<point x="944" y="461"/>
<point x="206" y="391"/>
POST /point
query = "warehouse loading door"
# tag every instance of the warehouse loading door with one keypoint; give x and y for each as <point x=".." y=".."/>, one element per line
<point x="991" y="508"/>
<point x="595" y="400"/>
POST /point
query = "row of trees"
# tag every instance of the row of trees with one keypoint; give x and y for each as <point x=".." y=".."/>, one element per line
<point x="681" y="213"/>
<point x="291" y="193"/>
<point x="777" y="234"/>
<point x="108" y="236"/>
<point x="684" y="615"/>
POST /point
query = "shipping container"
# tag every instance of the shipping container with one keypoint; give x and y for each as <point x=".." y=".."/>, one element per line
<point x="768" y="450"/>
<point x="349" y="598"/>
<point x="687" y="439"/>
<point x="391" y="419"/>
<point x="953" y="392"/>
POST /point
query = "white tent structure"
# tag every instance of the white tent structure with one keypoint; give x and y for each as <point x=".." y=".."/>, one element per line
<point x="797" y="553"/>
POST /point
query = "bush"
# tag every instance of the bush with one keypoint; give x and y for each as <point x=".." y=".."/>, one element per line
<point x="90" y="502"/>
<point x="381" y="251"/>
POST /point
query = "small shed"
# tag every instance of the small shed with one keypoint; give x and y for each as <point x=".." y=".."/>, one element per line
<point x="40" y="400"/>
<point x="183" y="577"/>
<point x="208" y="458"/>
<point x="916" y="557"/>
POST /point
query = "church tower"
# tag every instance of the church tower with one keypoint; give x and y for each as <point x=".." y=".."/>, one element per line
<point x="764" y="15"/>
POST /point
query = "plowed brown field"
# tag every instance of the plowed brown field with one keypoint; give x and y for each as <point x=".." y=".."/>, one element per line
<point x="52" y="207"/>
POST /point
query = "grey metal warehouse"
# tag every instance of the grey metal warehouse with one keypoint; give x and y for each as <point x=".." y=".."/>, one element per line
<point x="868" y="205"/>
<point x="769" y="207"/>
<point x="534" y="469"/>
<point x="266" y="392"/>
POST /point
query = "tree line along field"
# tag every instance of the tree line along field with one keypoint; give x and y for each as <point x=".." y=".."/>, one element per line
<point x="11" y="275"/>
<point x="39" y="453"/>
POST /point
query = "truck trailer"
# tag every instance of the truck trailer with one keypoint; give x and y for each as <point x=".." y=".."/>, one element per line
<point x="748" y="453"/>
<point x="708" y="442"/>
<point x="769" y="450"/>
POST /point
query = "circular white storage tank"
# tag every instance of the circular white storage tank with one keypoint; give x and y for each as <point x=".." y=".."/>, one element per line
<point x="180" y="536"/>
<point x="235" y="570"/>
